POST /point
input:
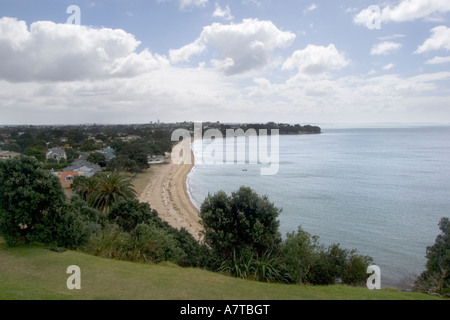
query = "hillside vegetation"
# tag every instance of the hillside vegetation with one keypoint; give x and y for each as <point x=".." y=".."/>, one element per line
<point x="37" y="273"/>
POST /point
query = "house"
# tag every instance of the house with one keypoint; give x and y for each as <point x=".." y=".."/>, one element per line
<point x="56" y="154"/>
<point x="82" y="155"/>
<point x="108" y="153"/>
<point x="84" y="168"/>
<point x="7" y="155"/>
<point x="66" y="178"/>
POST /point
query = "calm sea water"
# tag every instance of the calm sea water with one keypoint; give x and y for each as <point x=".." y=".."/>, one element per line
<point x="379" y="190"/>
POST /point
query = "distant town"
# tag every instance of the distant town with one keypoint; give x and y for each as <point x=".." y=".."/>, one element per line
<point x="87" y="149"/>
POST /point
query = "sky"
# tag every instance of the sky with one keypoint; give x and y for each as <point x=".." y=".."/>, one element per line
<point x="291" y="61"/>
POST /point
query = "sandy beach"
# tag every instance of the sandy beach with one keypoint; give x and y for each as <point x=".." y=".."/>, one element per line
<point x="166" y="192"/>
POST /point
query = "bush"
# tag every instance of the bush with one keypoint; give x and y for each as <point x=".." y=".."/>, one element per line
<point x="247" y="265"/>
<point x="129" y="213"/>
<point x="243" y="221"/>
<point x="109" y="242"/>
<point x="299" y="254"/>
<point x="150" y="243"/>
<point x="435" y="280"/>
<point x="308" y="261"/>
<point x="33" y="207"/>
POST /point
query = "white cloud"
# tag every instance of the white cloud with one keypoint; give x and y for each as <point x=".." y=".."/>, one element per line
<point x="406" y="10"/>
<point x="438" y="60"/>
<point x="316" y="59"/>
<point x="385" y="48"/>
<point x="354" y="98"/>
<point x="388" y="66"/>
<point x="64" y="52"/>
<point x="186" y="4"/>
<point x="310" y="8"/>
<point x="184" y="53"/>
<point x="440" y="39"/>
<point x="241" y="47"/>
<point x="392" y="36"/>
<point x="190" y="3"/>
<point x="366" y="16"/>
<point x="223" y="13"/>
<point x="409" y="10"/>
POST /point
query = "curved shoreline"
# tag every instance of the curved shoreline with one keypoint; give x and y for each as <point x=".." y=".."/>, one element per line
<point x="167" y="193"/>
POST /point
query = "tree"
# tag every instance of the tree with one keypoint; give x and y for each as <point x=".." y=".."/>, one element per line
<point x="35" y="151"/>
<point x="137" y="152"/>
<point x="14" y="147"/>
<point x="97" y="158"/>
<point x="436" y="278"/>
<point x="299" y="254"/>
<point x="111" y="188"/>
<point x="240" y="222"/>
<point x="33" y="206"/>
<point x="129" y="213"/>
<point x="85" y="187"/>
<point x="122" y="163"/>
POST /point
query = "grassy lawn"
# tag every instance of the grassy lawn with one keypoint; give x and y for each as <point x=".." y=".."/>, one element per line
<point x="29" y="273"/>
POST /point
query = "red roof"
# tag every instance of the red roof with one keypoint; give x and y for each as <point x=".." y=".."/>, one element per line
<point x="66" y="178"/>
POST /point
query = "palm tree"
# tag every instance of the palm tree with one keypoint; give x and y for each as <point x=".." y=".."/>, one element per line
<point x="110" y="188"/>
<point x="85" y="187"/>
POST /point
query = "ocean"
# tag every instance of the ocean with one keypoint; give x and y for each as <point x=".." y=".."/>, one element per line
<point x="381" y="190"/>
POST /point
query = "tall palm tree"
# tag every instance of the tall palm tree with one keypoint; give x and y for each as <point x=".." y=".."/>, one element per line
<point x="85" y="187"/>
<point x="110" y="188"/>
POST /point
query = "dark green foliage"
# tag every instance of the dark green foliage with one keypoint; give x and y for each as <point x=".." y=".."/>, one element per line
<point x="12" y="147"/>
<point x="240" y="222"/>
<point x="28" y="195"/>
<point x="135" y="232"/>
<point x="97" y="158"/>
<point x="89" y="145"/>
<point x="122" y="163"/>
<point x="109" y="242"/>
<point x="84" y="187"/>
<point x="195" y="255"/>
<point x="33" y="207"/>
<point x="137" y="151"/>
<point x="150" y="243"/>
<point x="102" y="191"/>
<point x="36" y="151"/>
<point x="436" y="278"/>
<point x="299" y="254"/>
<point x="308" y="261"/>
<point x="71" y="154"/>
<point x="247" y="264"/>
<point x="128" y="214"/>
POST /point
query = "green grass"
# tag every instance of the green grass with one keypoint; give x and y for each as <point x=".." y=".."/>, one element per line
<point x="36" y="273"/>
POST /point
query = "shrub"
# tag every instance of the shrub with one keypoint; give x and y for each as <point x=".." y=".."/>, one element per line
<point x="242" y="221"/>
<point x="33" y="207"/>
<point x="435" y="280"/>
<point x="129" y="213"/>
<point x="247" y="265"/>
<point x="150" y="243"/>
<point x="109" y="242"/>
